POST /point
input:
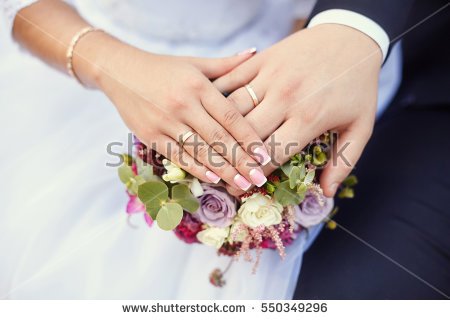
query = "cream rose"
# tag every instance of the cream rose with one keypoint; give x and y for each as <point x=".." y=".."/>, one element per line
<point x="214" y="237"/>
<point x="260" y="210"/>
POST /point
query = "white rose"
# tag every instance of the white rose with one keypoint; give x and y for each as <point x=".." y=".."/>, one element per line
<point x="214" y="237"/>
<point x="260" y="210"/>
<point x="174" y="173"/>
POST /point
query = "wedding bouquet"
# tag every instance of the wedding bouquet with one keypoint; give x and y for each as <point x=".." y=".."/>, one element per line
<point x="267" y="217"/>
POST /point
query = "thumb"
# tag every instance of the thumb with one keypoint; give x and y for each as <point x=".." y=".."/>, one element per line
<point x="214" y="68"/>
<point x="346" y="152"/>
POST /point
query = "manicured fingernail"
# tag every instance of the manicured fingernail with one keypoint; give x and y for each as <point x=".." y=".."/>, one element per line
<point x="247" y="51"/>
<point x="241" y="182"/>
<point x="257" y="177"/>
<point x="264" y="157"/>
<point x="214" y="178"/>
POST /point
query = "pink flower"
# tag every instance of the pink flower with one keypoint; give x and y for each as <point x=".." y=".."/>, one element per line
<point x="148" y="219"/>
<point x="188" y="228"/>
<point x="136" y="206"/>
<point x="314" y="208"/>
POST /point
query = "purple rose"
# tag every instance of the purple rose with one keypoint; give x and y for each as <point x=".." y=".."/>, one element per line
<point x="217" y="207"/>
<point x="313" y="209"/>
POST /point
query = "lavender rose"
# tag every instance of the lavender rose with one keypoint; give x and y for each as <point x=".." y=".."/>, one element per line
<point x="217" y="207"/>
<point x="313" y="209"/>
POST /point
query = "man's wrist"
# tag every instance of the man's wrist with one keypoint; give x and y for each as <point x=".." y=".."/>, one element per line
<point x="356" y="21"/>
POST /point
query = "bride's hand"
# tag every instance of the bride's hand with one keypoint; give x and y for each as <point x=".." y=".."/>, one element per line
<point x="161" y="98"/>
<point x="319" y="79"/>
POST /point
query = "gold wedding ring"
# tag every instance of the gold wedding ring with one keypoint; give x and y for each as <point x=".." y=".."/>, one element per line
<point x="252" y="94"/>
<point x="186" y="136"/>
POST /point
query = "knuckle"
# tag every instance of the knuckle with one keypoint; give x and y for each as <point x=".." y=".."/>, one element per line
<point x="218" y="135"/>
<point x="196" y="84"/>
<point x="310" y="115"/>
<point x="231" y="117"/>
<point x="289" y="91"/>
<point x="233" y="99"/>
<point x="243" y="162"/>
<point x="202" y="152"/>
<point x="176" y="103"/>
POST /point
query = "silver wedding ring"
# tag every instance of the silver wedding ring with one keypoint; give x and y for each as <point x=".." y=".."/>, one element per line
<point x="186" y="136"/>
<point x="252" y="94"/>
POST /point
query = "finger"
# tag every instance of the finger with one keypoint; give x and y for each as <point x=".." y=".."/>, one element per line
<point x="220" y="140"/>
<point x="289" y="140"/>
<point x="346" y="152"/>
<point x="170" y="149"/>
<point x="235" y="124"/>
<point x="204" y="154"/>
<point x="239" y="76"/>
<point x="234" y="191"/>
<point x="267" y="117"/>
<point x="217" y="67"/>
<point x="242" y="99"/>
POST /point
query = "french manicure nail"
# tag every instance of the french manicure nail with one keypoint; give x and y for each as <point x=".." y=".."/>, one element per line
<point x="241" y="182"/>
<point x="214" y="178"/>
<point x="247" y="51"/>
<point x="257" y="177"/>
<point x="264" y="157"/>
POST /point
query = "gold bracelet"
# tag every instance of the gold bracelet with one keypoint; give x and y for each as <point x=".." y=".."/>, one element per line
<point x="69" y="55"/>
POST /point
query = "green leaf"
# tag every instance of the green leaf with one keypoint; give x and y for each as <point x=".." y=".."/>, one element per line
<point x="285" y="195"/>
<point x="152" y="211"/>
<point x="347" y="192"/>
<point x="145" y="170"/>
<point x="153" y="194"/>
<point x="302" y="171"/>
<point x="286" y="168"/>
<point x="301" y="190"/>
<point x="183" y="196"/>
<point x="294" y="177"/>
<point x="125" y="173"/>
<point x="169" y="216"/>
<point x="309" y="177"/>
<point x="350" y="181"/>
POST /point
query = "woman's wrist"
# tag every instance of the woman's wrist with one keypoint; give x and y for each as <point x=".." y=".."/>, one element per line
<point x="96" y="57"/>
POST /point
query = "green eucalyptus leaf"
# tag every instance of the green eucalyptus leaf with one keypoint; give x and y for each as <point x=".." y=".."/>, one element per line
<point x="153" y="194"/>
<point x="125" y="173"/>
<point x="145" y="170"/>
<point x="302" y="171"/>
<point x="285" y="195"/>
<point x="183" y="196"/>
<point x="286" y="168"/>
<point x="152" y="211"/>
<point x="309" y="177"/>
<point x="294" y="177"/>
<point x="169" y="216"/>
<point x="301" y="190"/>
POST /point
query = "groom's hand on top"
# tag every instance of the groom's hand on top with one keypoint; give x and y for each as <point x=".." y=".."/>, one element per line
<point x="319" y="79"/>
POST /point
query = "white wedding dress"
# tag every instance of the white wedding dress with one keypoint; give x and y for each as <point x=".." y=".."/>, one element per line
<point x="63" y="227"/>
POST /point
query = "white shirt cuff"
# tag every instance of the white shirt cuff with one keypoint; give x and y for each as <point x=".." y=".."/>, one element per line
<point x="356" y="21"/>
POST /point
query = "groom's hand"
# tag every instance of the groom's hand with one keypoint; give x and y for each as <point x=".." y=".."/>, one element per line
<point x="318" y="79"/>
